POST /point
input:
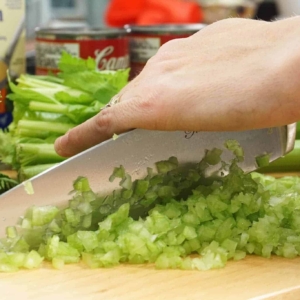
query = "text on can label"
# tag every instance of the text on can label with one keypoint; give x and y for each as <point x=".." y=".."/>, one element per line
<point x="112" y="63"/>
<point x="141" y="49"/>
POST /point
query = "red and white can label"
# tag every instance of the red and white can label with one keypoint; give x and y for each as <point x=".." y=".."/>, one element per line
<point x="110" y="54"/>
<point x="143" y="47"/>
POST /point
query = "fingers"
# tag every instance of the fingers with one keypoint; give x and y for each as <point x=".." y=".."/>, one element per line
<point x="95" y="130"/>
<point x="132" y="111"/>
<point x="142" y="104"/>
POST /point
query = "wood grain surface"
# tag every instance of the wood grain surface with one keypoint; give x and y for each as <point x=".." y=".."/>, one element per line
<point x="253" y="278"/>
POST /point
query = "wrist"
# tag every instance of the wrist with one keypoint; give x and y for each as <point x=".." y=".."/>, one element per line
<point x="284" y="65"/>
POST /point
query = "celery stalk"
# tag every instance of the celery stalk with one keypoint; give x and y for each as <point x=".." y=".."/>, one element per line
<point x="32" y="133"/>
<point x="298" y="131"/>
<point x="48" y="107"/>
<point x="55" y="127"/>
<point x="77" y="113"/>
<point x="27" y="172"/>
<point x="31" y="154"/>
<point x="288" y="163"/>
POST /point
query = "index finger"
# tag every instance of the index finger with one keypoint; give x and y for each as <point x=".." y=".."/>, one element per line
<point x="133" y="111"/>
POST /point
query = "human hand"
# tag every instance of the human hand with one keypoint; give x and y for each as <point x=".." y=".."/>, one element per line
<point x="235" y="74"/>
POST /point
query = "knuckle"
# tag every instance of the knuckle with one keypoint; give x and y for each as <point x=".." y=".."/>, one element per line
<point x="165" y="52"/>
<point x="103" y="121"/>
<point x="73" y="137"/>
<point x="150" y="104"/>
<point x="216" y="27"/>
<point x="146" y="103"/>
<point x="160" y="64"/>
<point x="170" y="45"/>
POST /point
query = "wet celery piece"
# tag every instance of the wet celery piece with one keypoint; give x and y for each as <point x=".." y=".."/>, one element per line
<point x="263" y="160"/>
<point x="231" y="217"/>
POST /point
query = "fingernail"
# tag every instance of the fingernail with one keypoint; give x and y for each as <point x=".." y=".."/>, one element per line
<point x="57" y="145"/>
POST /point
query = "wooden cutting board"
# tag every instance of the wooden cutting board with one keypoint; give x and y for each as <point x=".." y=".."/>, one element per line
<point x="253" y="278"/>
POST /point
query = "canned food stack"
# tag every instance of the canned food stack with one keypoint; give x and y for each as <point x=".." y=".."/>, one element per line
<point x="112" y="48"/>
<point x="109" y="47"/>
<point x="144" y="41"/>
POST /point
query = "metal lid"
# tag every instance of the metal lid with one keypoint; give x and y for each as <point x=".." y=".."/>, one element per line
<point x="165" y="28"/>
<point x="78" y="31"/>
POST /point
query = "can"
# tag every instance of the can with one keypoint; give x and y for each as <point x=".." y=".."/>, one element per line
<point x="108" y="46"/>
<point x="144" y="41"/>
<point x="12" y="52"/>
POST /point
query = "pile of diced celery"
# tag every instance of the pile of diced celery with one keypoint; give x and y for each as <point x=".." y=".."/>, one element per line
<point x="191" y="222"/>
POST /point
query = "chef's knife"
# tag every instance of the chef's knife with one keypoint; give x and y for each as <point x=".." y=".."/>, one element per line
<point x="136" y="150"/>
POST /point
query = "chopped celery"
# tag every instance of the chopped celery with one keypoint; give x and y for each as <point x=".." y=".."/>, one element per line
<point x="88" y="240"/>
<point x="43" y="215"/>
<point x="213" y="157"/>
<point x="217" y="221"/>
<point x="81" y="184"/>
<point x="235" y="147"/>
<point x="168" y="165"/>
<point x="238" y="255"/>
<point x="58" y="263"/>
<point x="11" y="232"/>
<point x="126" y="182"/>
<point x="263" y="160"/>
<point x="189" y="232"/>
<point x="117" y="173"/>
<point x="32" y="260"/>
<point x="28" y="187"/>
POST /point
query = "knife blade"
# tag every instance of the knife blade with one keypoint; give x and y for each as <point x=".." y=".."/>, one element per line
<point x="136" y="150"/>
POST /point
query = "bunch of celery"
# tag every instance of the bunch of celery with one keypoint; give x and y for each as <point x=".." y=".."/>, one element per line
<point x="46" y="107"/>
<point x="214" y="220"/>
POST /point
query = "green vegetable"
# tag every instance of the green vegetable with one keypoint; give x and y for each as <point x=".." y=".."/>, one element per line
<point x="28" y="187"/>
<point x="27" y="172"/>
<point x="263" y="160"/>
<point x="46" y="107"/>
<point x="215" y="221"/>
<point x="235" y="147"/>
<point x="35" y="153"/>
<point x="298" y="131"/>
<point x="56" y="128"/>
<point x="6" y="183"/>
<point x="288" y="163"/>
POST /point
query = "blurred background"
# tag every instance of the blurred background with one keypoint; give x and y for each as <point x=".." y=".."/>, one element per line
<point x="114" y="13"/>
<point x="56" y="13"/>
<point x="118" y="47"/>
